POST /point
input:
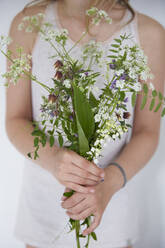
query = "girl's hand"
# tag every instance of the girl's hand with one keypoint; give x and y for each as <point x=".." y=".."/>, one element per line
<point x="79" y="206"/>
<point x="74" y="171"/>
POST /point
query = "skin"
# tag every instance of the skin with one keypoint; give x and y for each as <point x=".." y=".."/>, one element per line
<point x="133" y="156"/>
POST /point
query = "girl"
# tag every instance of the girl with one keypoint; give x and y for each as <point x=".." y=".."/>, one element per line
<point x="41" y="217"/>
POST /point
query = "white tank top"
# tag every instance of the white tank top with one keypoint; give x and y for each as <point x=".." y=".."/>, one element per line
<point x="40" y="217"/>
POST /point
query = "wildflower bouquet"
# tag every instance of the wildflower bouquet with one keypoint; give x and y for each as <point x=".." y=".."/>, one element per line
<point x="81" y="115"/>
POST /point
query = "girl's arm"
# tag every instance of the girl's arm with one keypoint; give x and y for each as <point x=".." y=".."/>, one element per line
<point x="144" y="140"/>
<point x="58" y="161"/>
<point x="146" y="127"/>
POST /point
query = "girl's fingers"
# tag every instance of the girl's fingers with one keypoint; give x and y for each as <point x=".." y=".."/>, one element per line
<point x="87" y="212"/>
<point x="78" y="208"/>
<point x="73" y="200"/>
<point x="64" y="197"/>
<point x="94" y="224"/>
<point x="78" y="180"/>
<point x="79" y="188"/>
<point x="83" y="173"/>
<point x="87" y="165"/>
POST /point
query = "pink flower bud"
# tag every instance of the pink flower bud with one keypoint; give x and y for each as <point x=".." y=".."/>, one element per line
<point x="58" y="64"/>
<point x="126" y="115"/>
<point x="52" y="98"/>
<point x="58" y="75"/>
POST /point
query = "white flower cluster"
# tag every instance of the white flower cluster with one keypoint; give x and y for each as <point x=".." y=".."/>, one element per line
<point x="92" y="50"/>
<point x="4" y="41"/>
<point x="67" y="83"/>
<point x="32" y="21"/>
<point x="136" y="63"/>
<point x="18" y="68"/>
<point x="98" y="15"/>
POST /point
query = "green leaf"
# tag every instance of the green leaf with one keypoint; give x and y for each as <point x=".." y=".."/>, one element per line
<point x="152" y="104"/>
<point x="37" y="133"/>
<point x="83" y="112"/>
<point x="51" y="140"/>
<point x="145" y="88"/>
<point x="43" y="140"/>
<point x="143" y="102"/>
<point x="68" y="194"/>
<point x="29" y="154"/>
<point x="154" y="93"/>
<point x="83" y="142"/>
<point x="112" y="56"/>
<point x="133" y="99"/>
<point x="60" y="139"/>
<point x="160" y="96"/>
<point x="93" y="234"/>
<point x="81" y="236"/>
<point x="163" y="112"/>
<point x="122" y="95"/>
<point x="114" y="51"/>
<point x="115" y="45"/>
<point x="36" y="140"/>
<point x="158" y="107"/>
<point x="92" y="100"/>
<point x="118" y="41"/>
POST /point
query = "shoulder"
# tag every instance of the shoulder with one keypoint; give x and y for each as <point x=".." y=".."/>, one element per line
<point x="150" y="30"/>
<point x="22" y="38"/>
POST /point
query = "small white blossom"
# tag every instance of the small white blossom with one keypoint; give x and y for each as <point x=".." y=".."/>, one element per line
<point x="67" y="83"/>
<point x="151" y="86"/>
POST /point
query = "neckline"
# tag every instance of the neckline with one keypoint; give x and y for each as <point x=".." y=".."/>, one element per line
<point x="71" y="41"/>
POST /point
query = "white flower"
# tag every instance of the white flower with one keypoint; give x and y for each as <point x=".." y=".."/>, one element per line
<point x="119" y="72"/>
<point x="151" y="86"/>
<point x="137" y="86"/>
<point x="97" y="117"/>
<point x="120" y="84"/>
<point x="67" y="83"/>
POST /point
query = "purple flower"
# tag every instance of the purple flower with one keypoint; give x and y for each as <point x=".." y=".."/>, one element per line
<point x="86" y="73"/>
<point x="71" y="117"/>
<point x="113" y="84"/>
<point x="52" y="113"/>
<point x="112" y="65"/>
<point x="76" y="134"/>
<point x="42" y="109"/>
<point x="123" y="76"/>
<point x="126" y="99"/>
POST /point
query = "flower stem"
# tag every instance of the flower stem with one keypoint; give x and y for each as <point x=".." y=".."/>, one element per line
<point x="77" y="41"/>
<point x="77" y="229"/>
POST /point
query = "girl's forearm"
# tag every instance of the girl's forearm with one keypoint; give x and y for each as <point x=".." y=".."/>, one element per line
<point x="19" y="133"/>
<point x="132" y="158"/>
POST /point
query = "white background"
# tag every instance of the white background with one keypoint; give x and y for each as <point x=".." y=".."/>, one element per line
<point x="150" y="181"/>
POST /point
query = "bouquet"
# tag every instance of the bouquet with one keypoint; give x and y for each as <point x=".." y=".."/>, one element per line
<point x="82" y="115"/>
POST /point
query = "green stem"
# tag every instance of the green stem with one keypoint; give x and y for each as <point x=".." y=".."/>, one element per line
<point x="77" y="229"/>
<point x="77" y="41"/>
<point x="89" y="222"/>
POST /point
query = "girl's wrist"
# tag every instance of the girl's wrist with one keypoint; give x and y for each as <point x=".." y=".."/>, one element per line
<point x="113" y="178"/>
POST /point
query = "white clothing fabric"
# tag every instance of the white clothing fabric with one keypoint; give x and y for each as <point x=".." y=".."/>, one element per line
<point x="40" y="218"/>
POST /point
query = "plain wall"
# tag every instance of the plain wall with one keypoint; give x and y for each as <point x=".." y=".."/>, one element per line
<point x="149" y="182"/>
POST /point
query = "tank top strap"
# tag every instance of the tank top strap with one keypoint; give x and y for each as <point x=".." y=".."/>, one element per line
<point x="50" y="15"/>
<point x="132" y="27"/>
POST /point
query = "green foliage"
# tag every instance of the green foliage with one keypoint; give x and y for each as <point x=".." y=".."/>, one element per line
<point x="158" y="106"/>
<point x="93" y="234"/>
<point x="152" y="104"/>
<point x="51" y="140"/>
<point x="133" y="98"/>
<point x="144" y="101"/>
<point x="83" y="142"/>
<point x="163" y="112"/>
<point x="84" y="113"/>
